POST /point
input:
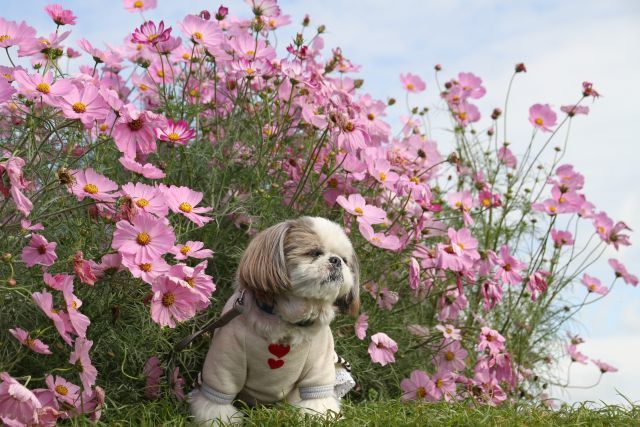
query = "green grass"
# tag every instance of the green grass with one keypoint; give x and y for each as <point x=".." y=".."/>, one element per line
<point x="388" y="413"/>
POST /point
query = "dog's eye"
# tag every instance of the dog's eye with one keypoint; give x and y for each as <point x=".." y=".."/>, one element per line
<point x="315" y="253"/>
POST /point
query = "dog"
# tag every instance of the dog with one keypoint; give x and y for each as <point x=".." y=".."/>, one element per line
<point x="293" y="277"/>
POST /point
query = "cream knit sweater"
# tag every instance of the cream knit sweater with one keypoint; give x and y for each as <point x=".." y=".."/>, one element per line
<point x="240" y="363"/>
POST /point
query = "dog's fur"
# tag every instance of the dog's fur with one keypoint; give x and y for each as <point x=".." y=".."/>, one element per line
<point x="304" y="269"/>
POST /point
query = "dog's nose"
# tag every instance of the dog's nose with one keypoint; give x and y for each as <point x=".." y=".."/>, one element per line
<point x="335" y="261"/>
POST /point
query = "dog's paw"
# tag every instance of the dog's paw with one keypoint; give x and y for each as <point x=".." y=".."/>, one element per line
<point x="208" y="413"/>
<point x="321" y="406"/>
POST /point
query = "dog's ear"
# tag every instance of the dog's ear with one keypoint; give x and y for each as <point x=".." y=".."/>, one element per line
<point x="263" y="268"/>
<point x="350" y="303"/>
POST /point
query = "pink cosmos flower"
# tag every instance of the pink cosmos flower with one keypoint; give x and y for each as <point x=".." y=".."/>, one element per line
<point x="268" y="8"/>
<point x="14" y="34"/>
<point x="146" y="238"/>
<point x="444" y="385"/>
<point x="574" y="110"/>
<point x="134" y="131"/>
<point x="507" y="158"/>
<point x="172" y="301"/>
<point x="380" y="240"/>
<point x="537" y="283"/>
<point x="575" y="355"/>
<point x="594" y="285"/>
<point x="178" y="384"/>
<point x="63" y="390"/>
<point x="412" y="83"/>
<point x="89" y="183"/>
<point x="415" y="387"/>
<point x="465" y="113"/>
<point x="471" y="85"/>
<point x="621" y="271"/>
<point x="84" y="104"/>
<point x="460" y="253"/>
<point x="387" y="298"/>
<point x="36" y="85"/>
<point x="79" y="322"/>
<point x="147" y="198"/>
<point x="491" y="291"/>
<point x="196" y="279"/>
<point x="452" y="356"/>
<point x="80" y="358"/>
<point x="6" y="91"/>
<point x="147" y="271"/>
<point x="152" y="372"/>
<point x="509" y="268"/>
<point x="361" y="326"/>
<point x="34" y="345"/>
<point x="542" y="117"/>
<point x="44" y="300"/>
<point x="356" y="205"/>
<point x="18" y="404"/>
<point x="140" y="5"/>
<point x="588" y="90"/>
<point x="39" y="251"/>
<point x="450" y="304"/>
<point x="462" y="201"/>
<point x="490" y="339"/>
<point x="604" y="367"/>
<point x="57" y="281"/>
<point x="561" y="238"/>
<point x="175" y="132"/>
<point x="202" y="32"/>
<point x="382" y="349"/>
<point x="449" y="332"/>
<point x="147" y="170"/>
<point x="183" y="200"/>
<point x="191" y="249"/>
<point x="59" y="15"/>
<point x="414" y="274"/>
<point x="149" y="34"/>
<point x="83" y="269"/>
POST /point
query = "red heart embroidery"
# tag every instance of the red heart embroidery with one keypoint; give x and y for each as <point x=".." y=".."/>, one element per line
<point x="279" y="350"/>
<point x="275" y="363"/>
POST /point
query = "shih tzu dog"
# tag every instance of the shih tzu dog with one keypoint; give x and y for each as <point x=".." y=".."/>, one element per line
<point x="293" y="276"/>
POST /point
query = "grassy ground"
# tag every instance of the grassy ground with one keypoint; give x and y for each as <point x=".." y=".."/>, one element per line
<point x="389" y="413"/>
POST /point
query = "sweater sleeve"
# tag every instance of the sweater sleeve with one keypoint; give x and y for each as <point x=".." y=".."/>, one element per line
<point x="319" y="375"/>
<point x="225" y="368"/>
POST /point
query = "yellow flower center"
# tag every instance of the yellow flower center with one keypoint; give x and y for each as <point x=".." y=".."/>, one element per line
<point x="251" y="52"/>
<point x="359" y="210"/>
<point x="135" y="125"/>
<point x="74" y="304"/>
<point x="143" y="239"/>
<point x="250" y="71"/>
<point x="142" y="203"/>
<point x="375" y="239"/>
<point x="592" y="287"/>
<point x="421" y="392"/>
<point x="4" y="38"/>
<point x="439" y="383"/>
<point x="458" y="204"/>
<point x="553" y="209"/>
<point x="146" y="267"/>
<point x="91" y="188"/>
<point x="185" y="250"/>
<point x="562" y="199"/>
<point x="138" y="4"/>
<point x="449" y="356"/>
<point x="193" y="92"/>
<point x="349" y="127"/>
<point x="383" y="176"/>
<point x="79" y="107"/>
<point x="600" y="229"/>
<point x="185" y="56"/>
<point x="460" y="245"/>
<point x="462" y="115"/>
<point x="103" y="127"/>
<point x="143" y="87"/>
<point x="160" y="73"/>
<point x="410" y="86"/>
<point x="190" y="281"/>
<point x="185" y="207"/>
<point x="197" y="35"/>
<point x="152" y="37"/>
<point x="370" y="116"/>
<point x="486" y="202"/>
<point x="173" y="137"/>
<point x="60" y="389"/>
<point x="415" y="180"/>
<point x="168" y="299"/>
<point x="539" y="121"/>
<point x="43" y="87"/>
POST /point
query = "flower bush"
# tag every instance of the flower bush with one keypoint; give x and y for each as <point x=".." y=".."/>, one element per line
<point x="131" y="186"/>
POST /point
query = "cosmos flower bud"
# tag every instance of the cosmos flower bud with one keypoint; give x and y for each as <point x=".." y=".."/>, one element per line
<point x="205" y="15"/>
<point x="306" y="21"/>
<point x="520" y="68"/>
<point x="496" y="113"/>
<point x="222" y="13"/>
<point x="437" y="67"/>
<point x="391" y="101"/>
<point x="321" y="29"/>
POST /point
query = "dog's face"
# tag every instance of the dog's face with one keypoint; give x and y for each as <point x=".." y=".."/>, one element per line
<point x="309" y="258"/>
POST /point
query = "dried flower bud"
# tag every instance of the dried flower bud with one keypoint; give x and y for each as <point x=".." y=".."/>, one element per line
<point x="205" y="15"/>
<point x="306" y="21"/>
<point x="520" y="68"/>
<point x="391" y="101"/>
<point x="321" y="29"/>
<point x="438" y="67"/>
<point x="496" y="113"/>
<point x="490" y="132"/>
<point x="358" y="83"/>
<point x="65" y="177"/>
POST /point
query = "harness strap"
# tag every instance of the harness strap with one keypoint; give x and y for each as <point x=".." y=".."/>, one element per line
<point x="214" y="323"/>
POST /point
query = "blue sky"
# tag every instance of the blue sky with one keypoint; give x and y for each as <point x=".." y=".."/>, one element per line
<point x="562" y="43"/>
